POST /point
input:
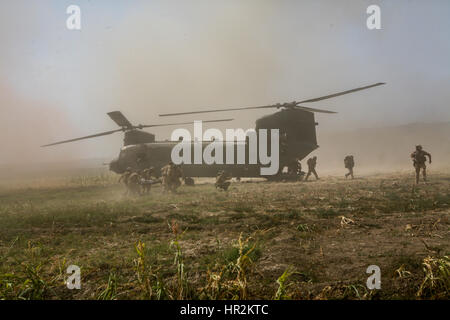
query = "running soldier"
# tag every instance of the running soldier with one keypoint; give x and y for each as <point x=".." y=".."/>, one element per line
<point x="222" y="180"/>
<point x="171" y="175"/>
<point x="349" y="163"/>
<point x="134" y="185"/>
<point x="312" y="162"/>
<point x="419" y="160"/>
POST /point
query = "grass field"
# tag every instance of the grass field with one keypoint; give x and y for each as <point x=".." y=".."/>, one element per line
<point x="259" y="240"/>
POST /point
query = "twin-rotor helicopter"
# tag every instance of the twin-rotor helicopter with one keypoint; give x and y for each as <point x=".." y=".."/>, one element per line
<point x="295" y="122"/>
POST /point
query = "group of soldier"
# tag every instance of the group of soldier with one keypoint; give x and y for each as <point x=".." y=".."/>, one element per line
<point x="296" y="168"/>
<point x="140" y="182"/>
<point x="419" y="157"/>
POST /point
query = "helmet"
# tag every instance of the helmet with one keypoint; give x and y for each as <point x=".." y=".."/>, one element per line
<point x="419" y="147"/>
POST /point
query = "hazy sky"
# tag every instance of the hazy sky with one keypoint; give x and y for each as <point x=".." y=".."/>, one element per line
<point x="150" y="57"/>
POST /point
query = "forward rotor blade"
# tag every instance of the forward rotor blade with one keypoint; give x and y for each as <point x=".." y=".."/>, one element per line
<point x="217" y="110"/>
<point x="342" y="93"/>
<point x="314" y="110"/>
<point x="82" y="138"/>
<point x="119" y="119"/>
<point x="180" y="123"/>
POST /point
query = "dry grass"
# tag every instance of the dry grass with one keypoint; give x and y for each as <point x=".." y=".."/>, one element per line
<point x="258" y="240"/>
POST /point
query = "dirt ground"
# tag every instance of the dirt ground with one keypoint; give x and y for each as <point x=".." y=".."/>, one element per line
<point x="324" y="234"/>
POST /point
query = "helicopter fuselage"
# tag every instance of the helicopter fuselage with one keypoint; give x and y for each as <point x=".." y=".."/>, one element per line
<point x="297" y="140"/>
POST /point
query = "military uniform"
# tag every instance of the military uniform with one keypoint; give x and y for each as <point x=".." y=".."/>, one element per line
<point x="349" y="163"/>
<point x="312" y="162"/>
<point x="124" y="178"/>
<point x="419" y="160"/>
<point x="147" y="176"/>
<point x="189" y="181"/>
<point x="222" y="180"/>
<point x="164" y="178"/>
<point x="171" y="175"/>
<point x="134" y="186"/>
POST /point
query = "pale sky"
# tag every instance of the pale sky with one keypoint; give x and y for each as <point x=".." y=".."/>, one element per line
<point x="151" y="57"/>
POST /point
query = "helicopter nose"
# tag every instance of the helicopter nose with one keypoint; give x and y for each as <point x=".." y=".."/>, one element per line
<point x="114" y="166"/>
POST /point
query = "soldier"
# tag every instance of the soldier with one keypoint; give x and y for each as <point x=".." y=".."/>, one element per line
<point x="147" y="178"/>
<point x="349" y="163"/>
<point x="189" y="181"/>
<point x="171" y="176"/>
<point x="312" y="162"/>
<point x="124" y="178"/>
<point x="164" y="178"/>
<point x="175" y="174"/>
<point x="419" y="160"/>
<point x="222" y="180"/>
<point x="134" y="185"/>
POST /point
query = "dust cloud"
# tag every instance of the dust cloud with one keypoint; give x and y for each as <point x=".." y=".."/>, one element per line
<point x="148" y="58"/>
<point x="384" y="149"/>
<point x="25" y="124"/>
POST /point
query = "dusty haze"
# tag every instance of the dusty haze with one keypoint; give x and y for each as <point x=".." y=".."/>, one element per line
<point x="149" y="58"/>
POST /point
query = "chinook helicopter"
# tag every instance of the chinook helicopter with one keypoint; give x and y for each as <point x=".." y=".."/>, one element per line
<point x="297" y="131"/>
<point x="296" y="125"/>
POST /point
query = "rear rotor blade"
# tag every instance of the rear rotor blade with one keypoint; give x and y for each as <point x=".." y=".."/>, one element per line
<point x="287" y="105"/>
<point x="82" y="138"/>
<point x="217" y="110"/>
<point x="314" y="110"/>
<point x="342" y="93"/>
<point x="120" y="119"/>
